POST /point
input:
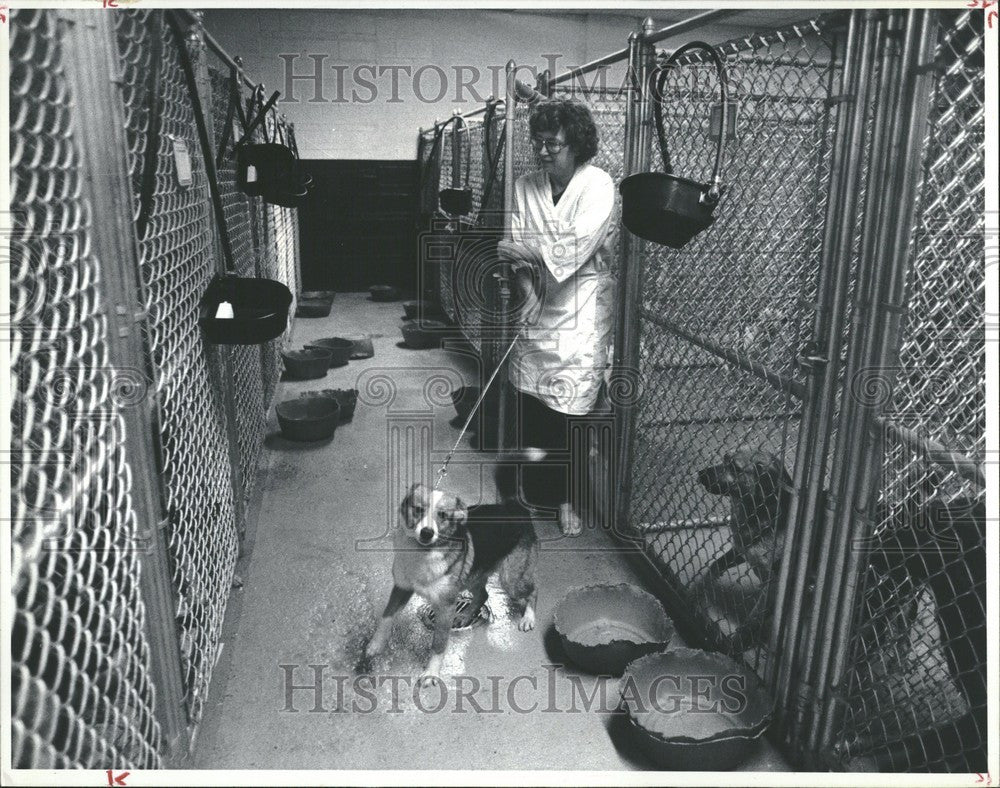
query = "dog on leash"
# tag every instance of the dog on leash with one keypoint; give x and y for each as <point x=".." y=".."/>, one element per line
<point x="444" y="548"/>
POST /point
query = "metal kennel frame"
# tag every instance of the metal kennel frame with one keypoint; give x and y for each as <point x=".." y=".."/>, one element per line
<point x="137" y="442"/>
<point x="831" y="316"/>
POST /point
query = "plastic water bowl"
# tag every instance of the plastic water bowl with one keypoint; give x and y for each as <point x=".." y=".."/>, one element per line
<point x="604" y="627"/>
<point x="306" y="364"/>
<point x="346" y="398"/>
<point x="260" y="310"/>
<point x="384" y="293"/>
<point x="424" y="333"/>
<point x="338" y="348"/>
<point x="308" y="418"/>
<point x="694" y="710"/>
<point x="420" y="308"/>
<point x="363" y="347"/>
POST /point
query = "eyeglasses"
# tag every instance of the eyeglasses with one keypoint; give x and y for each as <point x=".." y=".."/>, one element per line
<point x="551" y="145"/>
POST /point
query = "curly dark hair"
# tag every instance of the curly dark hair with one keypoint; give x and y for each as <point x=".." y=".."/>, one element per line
<point x="571" y="116"/>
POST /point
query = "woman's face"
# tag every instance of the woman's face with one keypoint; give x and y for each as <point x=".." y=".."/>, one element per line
<point x="555" y="156"/>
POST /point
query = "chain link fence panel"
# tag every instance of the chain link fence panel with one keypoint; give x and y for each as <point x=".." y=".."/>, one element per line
<point x="915" y="690"/>
<point x="722" y="322"/>
<point x="177" y="262"/>
<point x="81" y="685"/>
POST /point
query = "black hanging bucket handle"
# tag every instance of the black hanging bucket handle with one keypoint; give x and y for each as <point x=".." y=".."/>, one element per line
<point x="666" y="208"/>
<point x="260" y="306"/>
<point x="456" y="202"/>
<point x="292" y="189"/>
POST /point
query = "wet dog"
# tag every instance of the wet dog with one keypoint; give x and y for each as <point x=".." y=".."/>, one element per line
<point x="443" y="548"/>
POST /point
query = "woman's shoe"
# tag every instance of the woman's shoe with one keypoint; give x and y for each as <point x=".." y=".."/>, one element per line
<point x="569" y="522"/>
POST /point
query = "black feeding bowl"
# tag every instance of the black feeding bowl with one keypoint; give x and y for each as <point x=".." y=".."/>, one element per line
<point x="604" y="627"/>
<point x="318" y="295"/>
<point x="308" y="418"/>
<point x="420" y="308"/>
<point x="424" y="333"/>
<point x="363" y="347"/>
<point x="338" y="347"/>
<point x="346" y="398"/>
<point x="384" y="293"/>
<point x="665" y="209"/>
<point x="314" y="303"/>
<point x="260" y="310"/>
<point x="694" y="710"/>
<point x="307" y="364"/>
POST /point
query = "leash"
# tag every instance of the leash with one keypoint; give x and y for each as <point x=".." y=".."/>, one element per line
<point x="443" y="471"/>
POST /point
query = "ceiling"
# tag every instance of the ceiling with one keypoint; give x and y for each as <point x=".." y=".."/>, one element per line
<point x="750" y="19"/>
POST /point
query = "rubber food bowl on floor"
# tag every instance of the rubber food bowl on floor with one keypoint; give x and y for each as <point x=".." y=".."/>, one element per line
<point x="604" y="627"/>
<point x="313" y="295"/>
<point x="308" y="418"/>
<point x="260" y="310"/>
<point x="346" y="398"/>
<point x="677" y="726"/>
<point x="338" y="347"/>
<point x="384" y="293"/>
<point x="307" y="364"/>
<point x="363" y="347"/>
<point x="314" y="303"/>
<point x="420" y="308"/>
<point x="424" y="333"/>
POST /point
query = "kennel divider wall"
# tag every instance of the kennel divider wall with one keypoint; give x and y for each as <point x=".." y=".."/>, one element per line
<point x="172" y="428"/>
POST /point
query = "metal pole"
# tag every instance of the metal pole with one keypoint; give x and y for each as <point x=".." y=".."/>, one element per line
<point x="822" y="358"/>
<point x="734" y="358"/>
<point x="502" y="299"/>
<point x="686" y="25"/>
<point x="214" y="45"/>
<point x="456" y="154"/>
<point x="638" y="119"/>
<point x="902" y="196"/>
<point x="830" y="572"/>
<point x="648" y="35"/>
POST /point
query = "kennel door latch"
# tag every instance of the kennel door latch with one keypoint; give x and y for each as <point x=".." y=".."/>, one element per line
<point x="811" y="358"/>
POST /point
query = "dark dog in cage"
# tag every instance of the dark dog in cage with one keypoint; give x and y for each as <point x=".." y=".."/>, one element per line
<point x="444" y="548"/>
<point x="759" y="489"/>
<point x="939" y="546"/>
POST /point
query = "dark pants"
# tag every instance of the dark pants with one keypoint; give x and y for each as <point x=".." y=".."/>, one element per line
<point x="563" y="476"/>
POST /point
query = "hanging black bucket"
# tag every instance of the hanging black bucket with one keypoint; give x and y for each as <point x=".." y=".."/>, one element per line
<point x="262" y="167"/>
<point x="257" y="310"/>
<point x="666" y="208"/>
<point x="457" y="201"/>
<point x="292" y="189"/>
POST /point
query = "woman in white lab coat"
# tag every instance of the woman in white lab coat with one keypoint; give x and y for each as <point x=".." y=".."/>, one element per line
<point x="563" y="215"/>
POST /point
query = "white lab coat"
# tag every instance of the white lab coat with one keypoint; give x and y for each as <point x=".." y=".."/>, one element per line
<point x="561" y="357"/>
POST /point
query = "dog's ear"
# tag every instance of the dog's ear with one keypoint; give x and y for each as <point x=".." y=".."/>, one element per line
<point x="413" y="497"/>
<point x="459" y="514"/>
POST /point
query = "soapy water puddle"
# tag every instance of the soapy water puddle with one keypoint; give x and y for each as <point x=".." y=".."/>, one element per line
<point x="605" y="630"/>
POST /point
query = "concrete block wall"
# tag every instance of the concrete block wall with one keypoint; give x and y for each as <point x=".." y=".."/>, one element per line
<point x="355" y="48"/>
